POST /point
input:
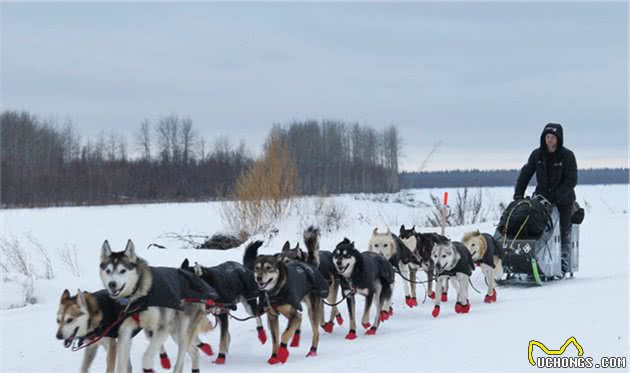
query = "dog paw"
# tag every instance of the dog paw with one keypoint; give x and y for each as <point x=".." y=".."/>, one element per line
<point x="283" y="353"/>
<point x="339" y="319"/>
<point x="458" y="308"/>
<point x="371" y="331"/>
<point x="444" y="297"/>
<point x="165" y="362"/>
<point x="312" y="352"/>
<point x="487" y="299"/>
<point x="206" y="348"/>
<point x="220" y="360"/>
<point x="295" y="341"/>
<point x="436" y="311"/>
<point x="273" y="360"/>
<point x="328" y="327"/>
<point x="351" y="335"/>
<point x="432" y="295"/>
<point x="466" y="308"/>
<point x="491" y="298"/>
<point x="262" y="336"/>
<point x="366" y="325"/>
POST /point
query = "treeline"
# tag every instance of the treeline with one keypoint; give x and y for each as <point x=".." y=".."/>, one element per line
<point x="481" y="178"/>
<point x="338" y="157"/>
<point x="44" y="164"/>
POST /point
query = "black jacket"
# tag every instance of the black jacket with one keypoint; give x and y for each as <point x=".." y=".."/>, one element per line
<point x="171" y="285"/>
<point x="371" y="268"/>
<point x="110" y="309"/>
<point x="231" y="280"/>
<point x="556" y="173"/>
<point x="464" y="265"/>
<point x="302" y="279"/>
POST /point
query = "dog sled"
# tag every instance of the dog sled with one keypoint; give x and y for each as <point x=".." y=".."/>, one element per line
<point x="533" y="253"/>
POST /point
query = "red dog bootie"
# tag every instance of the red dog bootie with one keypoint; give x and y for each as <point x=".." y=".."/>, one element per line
<point x="273" y="360"/>
<point x="165" y="362"/>
<point x="352" y="334"/>
<point x="283" y="353"/>
<point x="432" y="295"/>
<point x="436" y="311"/>
<point x="460" y="308"/>
<point x="206" y="348"/>
<point x="262" y="336"/>
<point x="371" y="331"/>
<point x="220" y="360"/>
<point x="491" y="298"/>
<point x="391" y="310"/>
<point x="366" y="325"/>
<point x="409" y="301"/>
<point x="339" y="319"/>
<point x="384" y="316"/>
<point x="328" y="327"/>
<point x="444" y="297"/>
<point x="466" y="308"/>
<point x="295" y="341"/>
<point x="312" y="352"/>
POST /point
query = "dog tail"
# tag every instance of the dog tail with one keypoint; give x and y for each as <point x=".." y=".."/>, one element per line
<point x="251" y="252"/>
<point x="311" y="239"/>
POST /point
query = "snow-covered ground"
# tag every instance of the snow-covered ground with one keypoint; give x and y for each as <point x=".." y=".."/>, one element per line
<point x="593" y="307"/>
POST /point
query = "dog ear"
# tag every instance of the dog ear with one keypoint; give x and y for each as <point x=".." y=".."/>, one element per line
<point x="413" y="228"/>
<point x="81" y="299"/>
<point x="65" y="295"/>
<point x="185" y="264"/>
<point x="388" y="231"/>
<point x="106" y="251"/>
<point x="375" y="230"/>
<point x="286" y="247"/>
<point x="130" y="251"/>
<point x="402" y="228"/>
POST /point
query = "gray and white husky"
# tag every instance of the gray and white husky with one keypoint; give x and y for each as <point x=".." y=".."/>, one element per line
<point x="128" y="279"/>
<point x="452" y="261"/>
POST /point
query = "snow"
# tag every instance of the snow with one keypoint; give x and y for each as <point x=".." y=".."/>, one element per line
<point x="593" y="306"/>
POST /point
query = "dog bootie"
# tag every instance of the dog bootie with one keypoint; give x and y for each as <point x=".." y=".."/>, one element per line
<point x="409" y="301"/>
<point x="384" y="316"/>
<point x="165" y="362"/>
<point x="262" y="336"/>
<point x="466" y="308"/>
<point x="432" y="295"/>
<point x="273" y="360"/>
<point x="491" y="298"/>
<point x="444" y="297"/>
<point x="312" y="352"/>
<point x="352" y="334"/>
<point x="371" y="331"/>
<point x="436" y="311"/>
<point x="295" y="341"/>
<point x="206" y="348"/>
<point x="366" y="325"/>
<point x="220" y="360"/>
<point x="328" y="327"/>
<point x="460" y="308"/>
<point x="391" y="311"/>
<point x="283" y="353"/>
<point x="339" y="319"/>
<point x="414" y="301"/>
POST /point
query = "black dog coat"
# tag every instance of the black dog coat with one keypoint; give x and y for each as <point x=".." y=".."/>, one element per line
<point x="231" y="280"/>
<point x="371" y="268"/>
<point x="464" y="265"/>
<point x="302" y="279"/>
<point x="491" y="250"/>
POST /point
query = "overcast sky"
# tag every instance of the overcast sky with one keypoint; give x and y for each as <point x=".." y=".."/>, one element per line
<point x="482" y="78"/>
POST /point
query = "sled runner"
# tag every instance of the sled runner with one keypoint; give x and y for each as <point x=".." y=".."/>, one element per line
<point x="529" y="257"/>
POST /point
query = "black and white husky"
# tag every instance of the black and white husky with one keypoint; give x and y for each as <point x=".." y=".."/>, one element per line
<point x="400" y="256"/>
<point x="326" y="268"/>
<point x="235" y="285"/>
<point x="453" y="262"/>
<point x="284" y="287"/>
<point x="368" y="274"/>
<point x="153" y="297"/>
<point x="421" y="245"/>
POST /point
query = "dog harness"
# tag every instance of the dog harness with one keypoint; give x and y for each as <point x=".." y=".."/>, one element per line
<point x="371" y="268"/>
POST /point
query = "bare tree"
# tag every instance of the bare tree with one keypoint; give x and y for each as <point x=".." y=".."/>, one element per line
<point x="187" y="138"/>
<point x="143" y="139"/>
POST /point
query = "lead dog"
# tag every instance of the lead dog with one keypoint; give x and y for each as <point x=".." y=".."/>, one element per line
<point x="155" y="294"/>
<point x="368" y="274"/>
